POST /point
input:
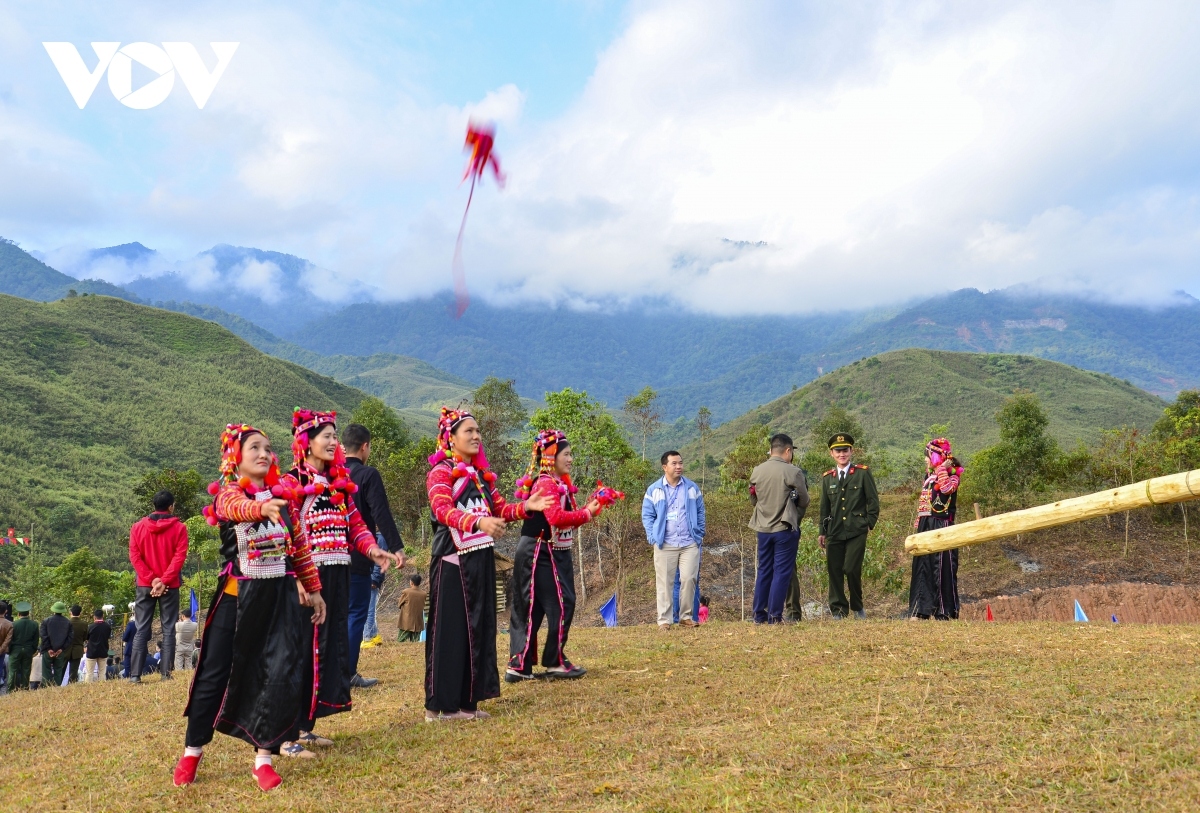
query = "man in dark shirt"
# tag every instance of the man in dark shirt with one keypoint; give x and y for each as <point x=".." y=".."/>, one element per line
<point x="95" y="656"/>
<point x="127" y="639"/>
<point x="56" y="644"/>
<point x="24" y="643"/>
<point x="372" y="504"/>
<point x="79" y="629"/>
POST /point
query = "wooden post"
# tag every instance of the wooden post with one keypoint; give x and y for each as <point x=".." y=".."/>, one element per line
<point x="1159" y="491"/>
<point x="977" y="514"/>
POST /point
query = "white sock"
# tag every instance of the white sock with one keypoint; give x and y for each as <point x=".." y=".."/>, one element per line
<point x="189" y="751"/>
<point x="261" y="760"/>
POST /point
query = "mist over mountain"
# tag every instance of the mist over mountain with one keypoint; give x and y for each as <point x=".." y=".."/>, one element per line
<point x="287" y="306"/>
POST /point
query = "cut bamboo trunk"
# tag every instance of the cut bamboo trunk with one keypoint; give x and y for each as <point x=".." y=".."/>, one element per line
<point x="1158" y="491"/>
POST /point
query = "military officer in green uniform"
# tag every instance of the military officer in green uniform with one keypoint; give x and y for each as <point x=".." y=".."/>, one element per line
<point x="25" y="640"/>
<point x="849" y="510"/>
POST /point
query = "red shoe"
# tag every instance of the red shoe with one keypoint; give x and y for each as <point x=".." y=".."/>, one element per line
<point x="185" y="770"/>
<point x="267" y="778"/>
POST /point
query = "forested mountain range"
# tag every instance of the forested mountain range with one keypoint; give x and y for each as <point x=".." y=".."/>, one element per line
<point x="729" y="364"/>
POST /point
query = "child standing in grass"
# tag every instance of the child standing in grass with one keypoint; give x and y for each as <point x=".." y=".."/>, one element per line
<point x="704" y="609"/>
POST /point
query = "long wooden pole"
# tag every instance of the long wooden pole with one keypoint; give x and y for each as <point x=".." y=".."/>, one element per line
<point x="1159" y="491"/>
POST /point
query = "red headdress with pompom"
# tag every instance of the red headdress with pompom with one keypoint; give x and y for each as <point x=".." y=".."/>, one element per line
<point x="545" y="451"/>
<point x="304" y="421"/>
<point x="232" y="438"/>
<point x="939" y="450"/>
<point x="447" y="423"/>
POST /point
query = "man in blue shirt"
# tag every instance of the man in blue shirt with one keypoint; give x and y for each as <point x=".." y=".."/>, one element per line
<point x="673" y="517"/>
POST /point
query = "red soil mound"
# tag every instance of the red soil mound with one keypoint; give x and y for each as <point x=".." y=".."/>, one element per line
<point x="1131" y="603"/>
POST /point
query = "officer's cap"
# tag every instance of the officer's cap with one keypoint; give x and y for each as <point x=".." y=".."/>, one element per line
<point x="841" y="441"/>
<point x="23" y="606"/>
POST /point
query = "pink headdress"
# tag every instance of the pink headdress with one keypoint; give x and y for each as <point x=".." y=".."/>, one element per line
<point x="232" y="438"/>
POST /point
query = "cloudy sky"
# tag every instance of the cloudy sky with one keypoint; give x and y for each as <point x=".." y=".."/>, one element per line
<point x="734" y="157"/>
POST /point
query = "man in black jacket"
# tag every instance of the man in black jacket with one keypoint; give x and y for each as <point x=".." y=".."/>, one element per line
<point x="56" y="644"/>
<point x="372" y="504"/>
<point x="95" y="658"/>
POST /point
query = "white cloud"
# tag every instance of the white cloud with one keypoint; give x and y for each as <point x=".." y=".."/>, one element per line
<point x="879" y="151"/>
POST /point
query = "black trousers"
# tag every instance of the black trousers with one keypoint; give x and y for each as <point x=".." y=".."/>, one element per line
<point x="543" y="588"/>
<point x="333" y="645"/>
<point x="933" y="591"/>
<point x="460" y="641"/>
<point x="143" y="614"/>
<point x="844" y="559"/>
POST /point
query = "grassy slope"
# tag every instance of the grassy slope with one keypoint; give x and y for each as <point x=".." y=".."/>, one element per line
<point x="825" y="716"/>
<point x="898" y="395"/>
<point x="97" y="392"/>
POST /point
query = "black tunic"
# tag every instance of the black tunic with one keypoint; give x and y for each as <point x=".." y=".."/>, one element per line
<point x="933" y="592"/>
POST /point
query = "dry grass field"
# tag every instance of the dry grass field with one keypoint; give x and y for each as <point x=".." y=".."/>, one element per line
<point x="875" y="715"/>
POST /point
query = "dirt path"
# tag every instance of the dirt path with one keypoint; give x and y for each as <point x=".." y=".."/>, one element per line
<point x="1131" y="603"/>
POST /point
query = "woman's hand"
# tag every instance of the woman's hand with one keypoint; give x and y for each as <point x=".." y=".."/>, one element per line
<point x="303" y="594"/>
<point x="538" y="502"/>
<point x="382" y="558"/>
<point x="318" y="604"/>
<point x="593" y="506"/>
<point x="271" y="509"/>
<point x="492" y="526"/>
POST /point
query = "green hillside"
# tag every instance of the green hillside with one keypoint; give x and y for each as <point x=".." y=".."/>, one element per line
<point x="97" y="392"/>
<point x="26" y="276"/>
<point x="897" y="396"/>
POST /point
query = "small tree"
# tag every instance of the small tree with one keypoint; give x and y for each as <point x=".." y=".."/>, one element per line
<point x="1178" y="432"/>
<point x="596" y="439"/>
<point x="704" y="427"/>
<point x="500" y="413"/>
<point x="388" y="430"/>
<point x="641" y="412"/>
<point x="749" y="449"/>
<point x="186" y="486"/>
<point x="32" y="581"/>
<point x="835" y="420"/>
<point x="1025" y="462"/>
<point x="1124" y="456"/>
<point x="79" y="579"/>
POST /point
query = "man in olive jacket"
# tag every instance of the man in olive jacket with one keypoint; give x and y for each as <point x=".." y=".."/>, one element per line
<point x="849" y="510"/>
<point x="780" y="498"/>
<point x="22" y="646"/>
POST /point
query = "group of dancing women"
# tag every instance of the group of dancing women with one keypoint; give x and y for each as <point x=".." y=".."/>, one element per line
<point x="276" y="653"/>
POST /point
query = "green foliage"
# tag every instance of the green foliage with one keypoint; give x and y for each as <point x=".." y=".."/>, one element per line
<point x="99" y="393"/>
<point x="204" y="553"/>
<point x="749" y="449"/>
<point x="1178" y="430"/>
<point x="836" y="420"/>
<point x="896" y="401"/>
<point x="1024" y="463"/>
<point x="186" y="486"/>
<point x="879" y="566"/>
<point x="500" y="413"/>
<point x="79" y="579"/>
<point x="599" y="445"/>
<point x="32" y="581"/>
<point x="387" y="429"/>
<point x="641" y="411"/>
<point x="403" y="474"/>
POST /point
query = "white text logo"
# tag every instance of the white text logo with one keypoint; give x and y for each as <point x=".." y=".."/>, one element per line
<point x="171" y="58"/>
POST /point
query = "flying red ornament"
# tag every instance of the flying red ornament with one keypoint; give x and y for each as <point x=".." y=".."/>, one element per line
<point x="480" y="139"/>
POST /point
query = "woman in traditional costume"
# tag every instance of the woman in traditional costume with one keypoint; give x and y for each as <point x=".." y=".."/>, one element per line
<point x="468" y="512"/>
<point x="543" y="571"/>
<point x="247" y="683"/>
<point x="933" y="592"/>
<point x="320" y="492"/>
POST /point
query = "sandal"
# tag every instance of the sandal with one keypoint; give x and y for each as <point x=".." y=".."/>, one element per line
<point x="445" y="717"/>
<point x="295" y="749"/>
<point x="310" y="739"/>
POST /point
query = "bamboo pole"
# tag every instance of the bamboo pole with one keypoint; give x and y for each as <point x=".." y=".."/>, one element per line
<point x="1159" y="491"/>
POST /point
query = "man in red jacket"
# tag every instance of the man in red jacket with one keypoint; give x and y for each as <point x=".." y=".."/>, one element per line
<point x="158" y="546"/>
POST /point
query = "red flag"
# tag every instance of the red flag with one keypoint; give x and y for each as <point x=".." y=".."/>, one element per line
<point x="990" y="617"/>
<point x="480" y="139"/>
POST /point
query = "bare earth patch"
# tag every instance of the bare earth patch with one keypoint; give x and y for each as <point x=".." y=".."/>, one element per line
<point x="876" y="715"/>
<point x="1130" y="603"/>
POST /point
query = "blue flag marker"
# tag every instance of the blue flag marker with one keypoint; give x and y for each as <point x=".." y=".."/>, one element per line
<point x="1079" y="614"/>
<point x="609" y="612"/>
<point x="195" y="608"/>
<point x="1114" y="619"/>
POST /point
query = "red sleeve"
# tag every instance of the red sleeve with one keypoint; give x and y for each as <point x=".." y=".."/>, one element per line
<point x="946" y="483"/>
<point x="440" y="485"/>
<point x="502" y="509"/>
<point x="233" y="505"/>
<point x="136" y="537"/>
<point x="361" y="538"/>
<point x="556" y="515"/>
<point x="302" y="564"/>
<point x="295" y="501"/>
